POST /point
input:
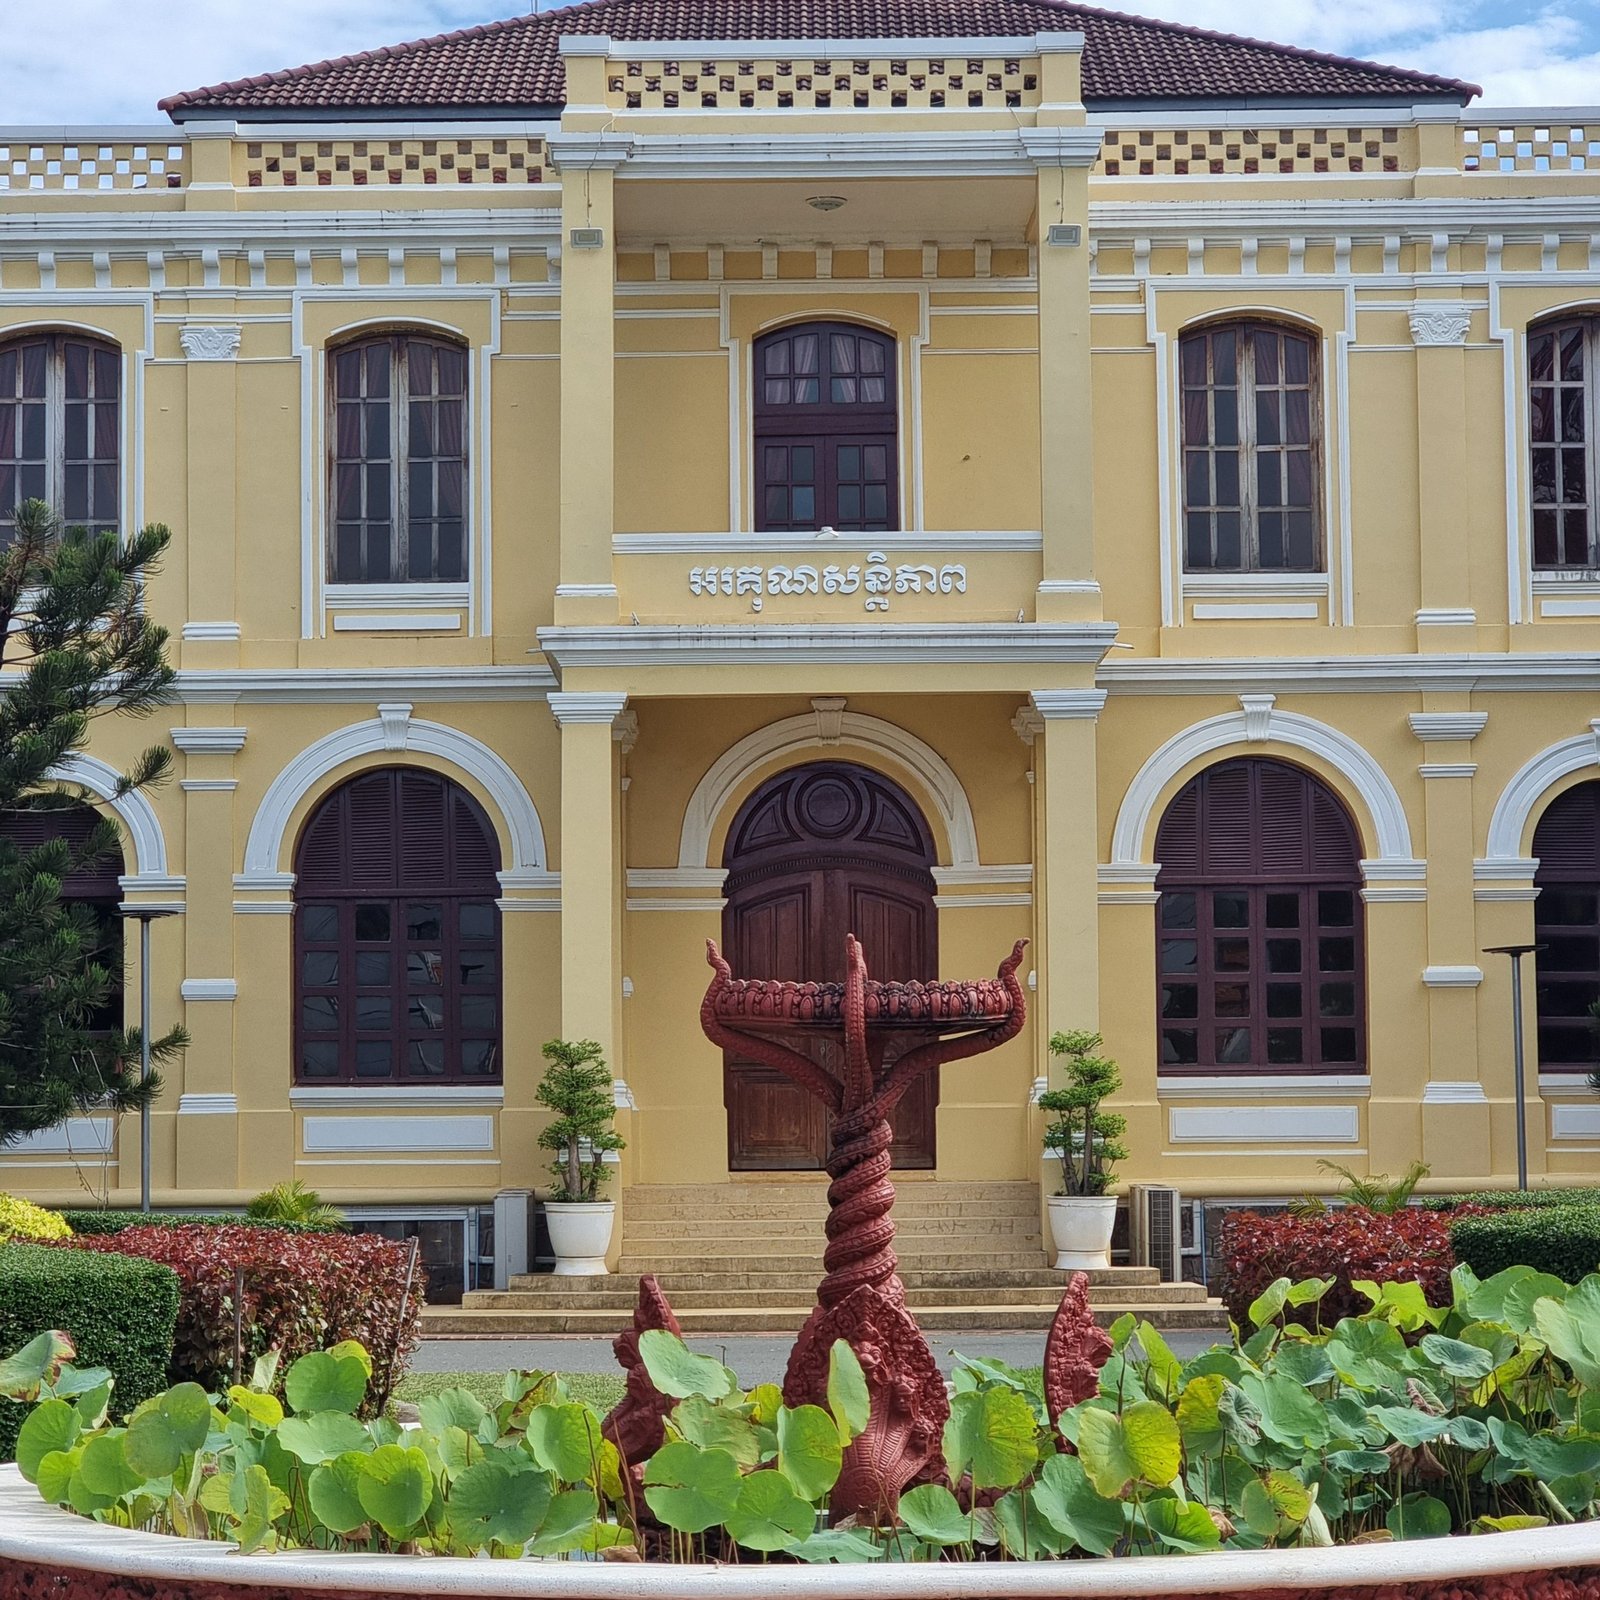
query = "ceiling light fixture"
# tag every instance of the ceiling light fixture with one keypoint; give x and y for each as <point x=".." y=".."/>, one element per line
<point x="825" y="202"/>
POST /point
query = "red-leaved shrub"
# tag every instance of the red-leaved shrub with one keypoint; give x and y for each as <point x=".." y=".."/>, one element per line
<point x="1345" y="1244"/>
<point x="302" y="1291"/>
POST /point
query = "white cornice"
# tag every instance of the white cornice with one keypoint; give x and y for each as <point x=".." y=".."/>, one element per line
<point x="837" y="644"/>
<point x="595" y="706"/>
<point x="846" y="153"/>
<point x="1025" y="44"/>
<point x="363" y="685"/>
<point x="1396" y="674"/>
<point x="84" y="229"/>
<point x="744" y="544"/>
<point x="1369" y="217"/>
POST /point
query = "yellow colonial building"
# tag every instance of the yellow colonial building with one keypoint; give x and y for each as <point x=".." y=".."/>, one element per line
<point x="948" y="470"/>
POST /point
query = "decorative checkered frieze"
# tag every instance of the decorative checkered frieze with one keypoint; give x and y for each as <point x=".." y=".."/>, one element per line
<point x="821" y="84"/>
<point x="92" y="166"/>
<point x="1208" y="152"/>
<point x="1530" y="148"/>
<point x="333" y="163"/>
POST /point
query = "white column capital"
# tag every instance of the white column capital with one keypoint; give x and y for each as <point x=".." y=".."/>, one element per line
<point x="208" y="741"/>
<point x="1059" y="704"/>
<point x="1463" y="725"/>
<point x="593" y="706"/>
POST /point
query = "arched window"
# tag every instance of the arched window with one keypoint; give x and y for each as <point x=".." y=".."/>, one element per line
<point x="1251" y="441"/>
<point x="92" y="885"/>
<point x="1566" y="921"/>
<point x="1259" y="961"/>
<point x="825" y="430"/>
<point x="1563" y="401"/>
<point x="399" y="461"/>
<point x="59" y="428"/>
<point x="397" y="935"/>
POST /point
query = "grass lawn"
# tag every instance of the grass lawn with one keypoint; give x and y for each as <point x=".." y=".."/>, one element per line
<point x="600" y="1389"/>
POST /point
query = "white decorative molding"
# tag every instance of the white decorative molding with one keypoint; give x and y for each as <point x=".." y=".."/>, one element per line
<point x="209" y="741"/>
<point x="1257" y="710"/>
<point x="267" y="841"/>
<point x="202" y="632"/>
<point x="77" y="1136"/>
<point x="1027" y="724"/>
<point x="830" y="717"/>
<point x="586" y="706"/>
<point x="137" y="815"/>
<point x="356" y="1135"/>
<point x="1255" y="610"/>
<point x="622" y="1095"/>
<point x="263" y="908"/>
<point x="395" y="716"/>
<point x="1447" y="617"/>
<point x="1564" y="1083"/>
<point x="1445" y="1093"/>
<point x="1569" y="608"/>
<point x="901" y="754"/>
<point x="208" y="1105"/>
<point x="378" y="1097"/>
<point x="1523" y="796"/>
<point x="210" y="343"/>
<point x="1436" y="322"/>
<point x="392" y="596"/>
<point x="1463" y="725"/>
<point x="657" y="903"/>
<point x="732" y="546"/>
<point x="195" y="989"/>
<point x="586" y="591"/>
<point x="1065" y="704"/>
<point x="208" y="785"/>
<point x="625" y="733"/>
<point x="1275" y="1086"/>
<point x="1575" y="1120"/>
<point x="553" y="904"/>
<point x="1039" y="1087"/>
<point x="1447" y="769"/>
<point x="1275" y="1124"/>
<point x="693" y="878"/>
<point x="1452" y="977"/>
<point x="400" y="622"/>
<point x="983" y="877"/>
<point x="1385" y="821"/>
<point x="973" y="902"/>
<point x="361" y="685"/>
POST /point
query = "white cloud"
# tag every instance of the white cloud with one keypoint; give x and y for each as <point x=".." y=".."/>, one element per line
<point x="86" y="61"/>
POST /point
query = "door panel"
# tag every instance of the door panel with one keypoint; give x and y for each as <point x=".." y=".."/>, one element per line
<point x="815" y="854"/>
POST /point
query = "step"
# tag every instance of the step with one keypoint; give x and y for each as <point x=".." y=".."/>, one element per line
<point x="759" y="1230"/>
<point x="555" y="1296"/>
<point x="781" y="1285"/>
<point x="758" y="1209"/>
<point x="789" y="1187"/>
<point x="453" y="1322"/>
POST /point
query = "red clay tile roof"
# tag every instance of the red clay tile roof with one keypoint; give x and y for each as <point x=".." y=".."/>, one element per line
<point x="513" y="65"/>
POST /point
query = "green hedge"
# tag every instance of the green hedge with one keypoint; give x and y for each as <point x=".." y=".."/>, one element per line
<point x="120" y="1312"/>
<point x="109" y="1222"/>
<point x="1561" y="1240"/>
<point x="1514" y="1199"/>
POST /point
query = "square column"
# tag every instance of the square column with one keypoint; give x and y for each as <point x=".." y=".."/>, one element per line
<point x="591" y="884"/>
<point x="208" y="1108"/>
<point x="586" y="591"/>
<point x="1455" y="1108"/>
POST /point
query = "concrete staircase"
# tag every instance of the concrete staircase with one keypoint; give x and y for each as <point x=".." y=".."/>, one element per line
<point x="745" y="1257"/>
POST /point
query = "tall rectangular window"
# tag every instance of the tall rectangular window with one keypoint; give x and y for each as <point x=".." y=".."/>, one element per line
<point x="1563" y="395"/>
<point x="1250" y="448"/>
<point x="399" y="447"/>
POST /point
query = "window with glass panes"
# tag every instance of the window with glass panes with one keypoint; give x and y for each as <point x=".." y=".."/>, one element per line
<point x="397" y="935"/>
<point x="60" y="426"/>
<point x="825" y="430"/>
<point x="399" y="461"/>
<point x="1259" y="964"/>
<point x="1250" y="448"/>
<point x="1566" y="922"/>
<point x="1563" y="397"/>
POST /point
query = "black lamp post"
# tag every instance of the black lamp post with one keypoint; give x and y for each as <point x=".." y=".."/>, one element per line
<point x="144" y="916"/>
<point x="1517" y="952"/>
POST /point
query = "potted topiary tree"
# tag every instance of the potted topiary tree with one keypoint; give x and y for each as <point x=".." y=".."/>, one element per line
<point x="577" y="1087"/>
<point x="1083" y="1138"/>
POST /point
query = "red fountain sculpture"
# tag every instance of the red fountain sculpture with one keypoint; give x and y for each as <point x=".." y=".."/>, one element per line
<point x="861" y="1298"/>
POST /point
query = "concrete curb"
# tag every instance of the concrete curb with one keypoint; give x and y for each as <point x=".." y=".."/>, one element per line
<point x="34" y="1532"/>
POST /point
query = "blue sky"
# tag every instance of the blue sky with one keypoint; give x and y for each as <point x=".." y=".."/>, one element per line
<point x="72" y="62"/>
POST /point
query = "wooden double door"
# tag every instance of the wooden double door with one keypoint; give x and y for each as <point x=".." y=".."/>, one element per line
<point x="817" y="853"/>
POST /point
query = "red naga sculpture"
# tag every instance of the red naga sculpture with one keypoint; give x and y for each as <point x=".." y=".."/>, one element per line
<point x="861" y="1298"/>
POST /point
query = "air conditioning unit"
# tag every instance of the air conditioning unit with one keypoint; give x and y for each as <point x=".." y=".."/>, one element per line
<point x="1155" y="1229"/>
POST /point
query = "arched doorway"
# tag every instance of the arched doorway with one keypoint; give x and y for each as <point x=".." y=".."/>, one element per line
<point x="1566" y="927"/>
<point x="818" y="852"/>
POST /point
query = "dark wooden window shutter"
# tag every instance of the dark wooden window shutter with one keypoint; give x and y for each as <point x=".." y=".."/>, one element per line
<point x="1566" y="921"/>
<point x="1259" y="960"/>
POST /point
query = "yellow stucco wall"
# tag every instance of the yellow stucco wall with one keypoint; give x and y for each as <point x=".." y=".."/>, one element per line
<point x="1038" y="443"/>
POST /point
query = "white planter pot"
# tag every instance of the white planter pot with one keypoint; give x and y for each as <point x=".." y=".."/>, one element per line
<point x="1082" y="1224"/>
<point x="580" y="1231"/>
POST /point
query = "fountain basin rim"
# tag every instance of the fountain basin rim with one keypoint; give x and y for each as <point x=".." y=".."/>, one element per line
<point x="31" y="1531"/>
